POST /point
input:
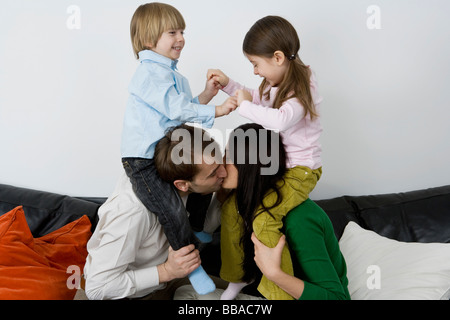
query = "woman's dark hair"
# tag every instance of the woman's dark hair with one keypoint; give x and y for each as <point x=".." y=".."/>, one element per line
<point x="249" y="148"/>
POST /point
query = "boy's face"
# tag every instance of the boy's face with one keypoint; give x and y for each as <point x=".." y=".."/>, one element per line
<point x="170" y="44"/>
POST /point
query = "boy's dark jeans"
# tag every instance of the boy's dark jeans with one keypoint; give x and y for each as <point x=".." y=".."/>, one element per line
<point x="162" y="199"/>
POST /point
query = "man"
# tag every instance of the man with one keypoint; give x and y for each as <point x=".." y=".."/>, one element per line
<point x="129" y="255"/>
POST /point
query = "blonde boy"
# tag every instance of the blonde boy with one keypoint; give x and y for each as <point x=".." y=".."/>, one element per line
<point x="161" y="98"/>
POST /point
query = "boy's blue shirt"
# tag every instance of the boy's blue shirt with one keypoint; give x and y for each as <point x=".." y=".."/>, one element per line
<point x="160" y="98"/>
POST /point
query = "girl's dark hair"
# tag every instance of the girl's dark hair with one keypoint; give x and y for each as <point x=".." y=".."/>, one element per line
<point x="253" y="186"/>
<point x="271" y="34"/>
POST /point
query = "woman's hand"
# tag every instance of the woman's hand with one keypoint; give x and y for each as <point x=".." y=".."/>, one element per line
<point x="268" y="259"/>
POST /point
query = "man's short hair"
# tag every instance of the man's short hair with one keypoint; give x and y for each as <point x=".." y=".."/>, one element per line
<point x="181" y="150"/>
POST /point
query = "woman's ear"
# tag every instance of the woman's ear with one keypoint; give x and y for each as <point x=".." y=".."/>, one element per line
<point x="181" y="185"/>
<point x="279" y="57"/>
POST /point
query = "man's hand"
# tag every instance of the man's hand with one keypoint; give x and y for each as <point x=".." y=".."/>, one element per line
<point x="179" y="264"/>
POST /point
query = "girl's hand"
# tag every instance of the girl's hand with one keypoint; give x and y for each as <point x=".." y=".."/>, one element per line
<point x="268" y="259"/>
<point x="243" y="95"/>
<point x="218" y="76"/>
<point x="227" y="107"/>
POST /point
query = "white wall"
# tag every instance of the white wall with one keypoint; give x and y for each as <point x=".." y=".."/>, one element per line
<point x="386" y="110"/>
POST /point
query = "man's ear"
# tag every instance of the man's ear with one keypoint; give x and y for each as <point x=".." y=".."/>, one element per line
<point x="279" y="57"/>
<point x="182" y="185"/>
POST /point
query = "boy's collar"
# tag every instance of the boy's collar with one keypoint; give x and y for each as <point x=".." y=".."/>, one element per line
<point x="153" y="56"/>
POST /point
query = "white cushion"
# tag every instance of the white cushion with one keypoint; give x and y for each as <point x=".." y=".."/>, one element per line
<point x="379" y="268"/>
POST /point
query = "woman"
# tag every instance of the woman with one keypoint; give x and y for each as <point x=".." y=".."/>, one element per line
<point x="319" y="269"/>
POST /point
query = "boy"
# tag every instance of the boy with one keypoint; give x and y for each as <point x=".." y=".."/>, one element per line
<point x="161" y="98"/>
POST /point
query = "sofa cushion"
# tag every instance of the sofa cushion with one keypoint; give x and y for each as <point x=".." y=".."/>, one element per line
<point x="45" y="211"/>
<point x="37" y="268"/>
<point x="379" y="268"/>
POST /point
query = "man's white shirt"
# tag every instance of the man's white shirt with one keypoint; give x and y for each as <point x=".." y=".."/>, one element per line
<point x="127" y="246"/>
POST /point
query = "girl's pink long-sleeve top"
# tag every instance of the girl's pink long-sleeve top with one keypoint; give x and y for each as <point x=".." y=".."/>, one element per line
<point x="300" y="134"/>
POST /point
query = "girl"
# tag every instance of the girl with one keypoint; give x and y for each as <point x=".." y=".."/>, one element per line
<point x="288" y="102"/>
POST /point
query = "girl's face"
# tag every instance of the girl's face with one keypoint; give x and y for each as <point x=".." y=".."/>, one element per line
<point x="272" y="69"/>
<point x="170" y="44"/>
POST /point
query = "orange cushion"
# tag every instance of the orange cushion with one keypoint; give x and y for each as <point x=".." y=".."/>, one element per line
<point x="37" y="269"/>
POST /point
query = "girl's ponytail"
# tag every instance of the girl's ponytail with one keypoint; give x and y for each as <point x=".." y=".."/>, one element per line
<point x="296" y="83"/>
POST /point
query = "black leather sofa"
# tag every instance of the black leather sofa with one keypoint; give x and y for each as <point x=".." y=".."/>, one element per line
<point x="46" y="212"/>
<point x="421" y="216"/>
<point x="417" y="216"/>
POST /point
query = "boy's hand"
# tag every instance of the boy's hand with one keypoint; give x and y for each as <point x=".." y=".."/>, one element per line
<point x="212" y="87"/>
<point x="218" y="76"/>
<point x="243" y="95"/>
<point x="227" y="107"/>
<point x="211" y="90"/>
